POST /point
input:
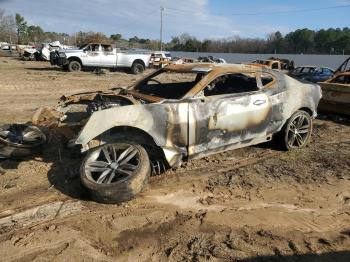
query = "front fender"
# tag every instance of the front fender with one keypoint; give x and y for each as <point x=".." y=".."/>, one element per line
<point x="165" y="123"/>
<point x="104" y="120"/>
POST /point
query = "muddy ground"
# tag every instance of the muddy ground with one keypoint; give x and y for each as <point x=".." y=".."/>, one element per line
<point x="252" y="204"/>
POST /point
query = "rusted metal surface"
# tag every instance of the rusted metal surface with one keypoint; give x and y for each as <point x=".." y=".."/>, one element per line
<point x="198" y="123"/>
<point x="336" y="94"/>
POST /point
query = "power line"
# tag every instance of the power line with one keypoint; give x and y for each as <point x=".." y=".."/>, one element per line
<point x="292" y="11"/>
<point x="267" y="13"/>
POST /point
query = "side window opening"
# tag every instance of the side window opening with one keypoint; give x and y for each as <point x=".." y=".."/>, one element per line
<point x="93" y="48"/>
<point x="274" y="66"/>
<point x="266" y="79"/>
<point x="231" y="84"/>
<point x="107" y="48"/>
<point x="342" y="79"/>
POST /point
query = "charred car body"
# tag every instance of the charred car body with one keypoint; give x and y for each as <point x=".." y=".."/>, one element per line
<point x="178" y="113"/>
<point x="280" y="64"/>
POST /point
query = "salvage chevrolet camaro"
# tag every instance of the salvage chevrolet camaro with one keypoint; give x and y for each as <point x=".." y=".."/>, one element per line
<point x="178" y="113"/>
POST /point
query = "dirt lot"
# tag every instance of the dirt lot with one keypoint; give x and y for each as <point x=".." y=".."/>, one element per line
<point x="252" y="204"/>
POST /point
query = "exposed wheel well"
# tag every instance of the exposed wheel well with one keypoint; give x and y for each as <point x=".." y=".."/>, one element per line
<point x="307" y="110"/>
<point x="135" y="135"/>
<point x="139" y="61"/>
<point x="74" y="58"/>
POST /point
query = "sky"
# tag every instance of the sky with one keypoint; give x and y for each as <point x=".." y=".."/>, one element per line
<point x="204" y="19"/>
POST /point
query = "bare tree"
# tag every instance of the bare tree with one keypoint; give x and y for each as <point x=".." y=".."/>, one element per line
<point x="7" y="26"/>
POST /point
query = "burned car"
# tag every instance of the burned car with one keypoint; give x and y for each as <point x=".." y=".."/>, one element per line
<point x="179" y="113"/>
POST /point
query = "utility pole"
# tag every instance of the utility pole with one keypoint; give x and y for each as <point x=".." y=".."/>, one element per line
<point x="161" y="27"/>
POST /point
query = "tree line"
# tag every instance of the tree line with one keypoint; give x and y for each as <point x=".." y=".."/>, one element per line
<point x="15" y="29"/>
<point x="301" y="41"/>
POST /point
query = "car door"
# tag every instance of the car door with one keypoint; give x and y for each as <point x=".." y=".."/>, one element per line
<point x="93" y="55"/>
<point x="232" y="118"/>
<point x="108" y="56"/>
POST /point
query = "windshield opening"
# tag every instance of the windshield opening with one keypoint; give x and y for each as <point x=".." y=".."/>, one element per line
<point x="169" y="84"/>
<point x="83" y="46"/>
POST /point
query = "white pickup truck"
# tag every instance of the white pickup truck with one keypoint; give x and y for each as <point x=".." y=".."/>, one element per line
<point x="97" y="55"/>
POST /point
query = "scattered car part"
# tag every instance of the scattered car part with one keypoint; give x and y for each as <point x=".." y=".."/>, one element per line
<point x="20" y="140"/>
<point x="115" y="172"/>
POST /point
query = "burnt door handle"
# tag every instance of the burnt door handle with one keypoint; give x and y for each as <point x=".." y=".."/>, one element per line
<point x="259" y="102"/>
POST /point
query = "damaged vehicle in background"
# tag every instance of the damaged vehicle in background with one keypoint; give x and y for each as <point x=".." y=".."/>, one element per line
<point x="176" y="114"/>
<point x="336" y="94"/>
<point x="211" y="59"/>
<point x="312" y="73"/>
<point x="280" y="64"/>
<point x="336" y="91"/>
<point x="97" y="55"/>
<point x="42" y="52"/>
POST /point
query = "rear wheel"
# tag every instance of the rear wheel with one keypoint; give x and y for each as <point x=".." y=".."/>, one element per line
<point x="74" y="66"/>
<point x="115" y="172"/>
<point x="296" y="132"/>
<point x="137" y="68"/>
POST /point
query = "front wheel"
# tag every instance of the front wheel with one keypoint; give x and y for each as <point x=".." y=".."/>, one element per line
<point x="74" y="66"/>
<point x="115" y="172"/>
<point x="296" y="132"/>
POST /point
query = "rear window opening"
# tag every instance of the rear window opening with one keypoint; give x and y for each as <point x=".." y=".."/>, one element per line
<point x="266" y="79"/>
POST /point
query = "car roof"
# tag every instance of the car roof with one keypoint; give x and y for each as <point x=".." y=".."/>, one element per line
<point x="311" y="66"/>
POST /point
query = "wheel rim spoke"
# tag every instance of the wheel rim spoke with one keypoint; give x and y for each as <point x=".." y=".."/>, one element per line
<point x="98" y="164"/>
<point x="103" y="176"/>
<point x="112" y="175"/>
<point x="114" y="154"/>
<point x="106" y="154"/>
<point x="124" y="172"/>
<point x="129" y="157"/>
<point x="122" y="155"/>
<point x="128" y="167"/>
<point x="292" y="140"/>
<point x="299" y="139"/>
<point x="303" y="131"/>
<point x="300" y="121"/>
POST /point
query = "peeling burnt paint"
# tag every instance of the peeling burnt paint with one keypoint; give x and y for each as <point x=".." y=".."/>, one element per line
<point x="195" y="125"/>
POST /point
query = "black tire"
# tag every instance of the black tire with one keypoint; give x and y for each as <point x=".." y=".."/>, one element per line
<point x="137" y="68"/>
<point x="74" y="66"/>
<point x="119" y="189"/>
<point x="296" y="132"/>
